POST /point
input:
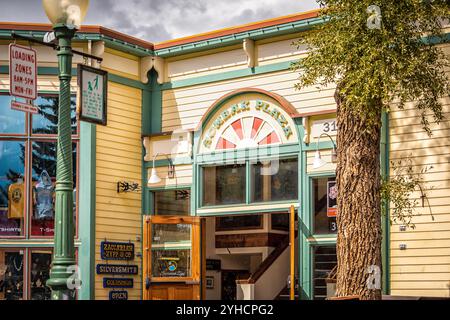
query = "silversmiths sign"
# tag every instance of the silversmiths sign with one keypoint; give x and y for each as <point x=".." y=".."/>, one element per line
<point x="93" y="87"/>
<point x="117" y="269"/>
<point x="116" y="250"/>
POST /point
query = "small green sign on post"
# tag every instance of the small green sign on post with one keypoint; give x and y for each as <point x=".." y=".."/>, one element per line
<point x="92" y="100"/>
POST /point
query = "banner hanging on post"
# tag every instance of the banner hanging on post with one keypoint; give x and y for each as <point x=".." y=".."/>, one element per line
<point x="92" y="94"/>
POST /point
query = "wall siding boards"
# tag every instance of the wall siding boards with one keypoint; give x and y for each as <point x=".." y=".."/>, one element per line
<point x="118" y="158"/>
<point x="423" y="269"/>
<point x="184" y="107"/>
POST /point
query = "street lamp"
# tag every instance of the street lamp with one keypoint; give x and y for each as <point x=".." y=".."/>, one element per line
<point x="66" y="17"/>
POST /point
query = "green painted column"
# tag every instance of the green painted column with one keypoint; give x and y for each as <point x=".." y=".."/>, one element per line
<point x="61" y="272"/>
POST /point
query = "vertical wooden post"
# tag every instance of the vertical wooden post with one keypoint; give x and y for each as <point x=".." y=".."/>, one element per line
<point x="292" y="243"/>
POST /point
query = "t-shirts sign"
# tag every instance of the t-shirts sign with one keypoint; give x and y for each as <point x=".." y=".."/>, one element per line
<point x="22" y="72"/>
<point x="92" y="84"/>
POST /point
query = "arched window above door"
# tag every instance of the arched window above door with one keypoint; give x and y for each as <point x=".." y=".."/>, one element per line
<point x="247" y="118"/>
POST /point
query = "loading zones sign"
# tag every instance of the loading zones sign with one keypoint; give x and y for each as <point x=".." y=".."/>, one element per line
<point x="23" y="77"/>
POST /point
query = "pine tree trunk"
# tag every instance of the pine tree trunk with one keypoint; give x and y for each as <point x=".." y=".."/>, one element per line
<point x="359" y="202"/>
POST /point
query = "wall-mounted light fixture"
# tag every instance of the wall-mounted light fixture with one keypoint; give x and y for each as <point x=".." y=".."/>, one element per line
<point x="318" y="161"/>
<point x="154" y="178"/>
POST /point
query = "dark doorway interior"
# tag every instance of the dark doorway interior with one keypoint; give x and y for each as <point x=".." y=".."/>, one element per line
<point x="229" y="278"/>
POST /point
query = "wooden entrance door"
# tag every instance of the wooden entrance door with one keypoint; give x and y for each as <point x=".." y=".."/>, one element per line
<point x="172" y="258"/>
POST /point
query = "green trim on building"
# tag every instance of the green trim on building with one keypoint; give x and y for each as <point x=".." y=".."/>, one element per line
<point x="86" y="253"/>
<point x="257" y="34"/>
<point x="384" y="159"/>
<point x="165" y="162"/>
<point x="82" y="37"/>
<point x="238" y="156"/>
<point x="228" y="75"/>
<point x="155" y="105"/>
<point x="53" y="71"/>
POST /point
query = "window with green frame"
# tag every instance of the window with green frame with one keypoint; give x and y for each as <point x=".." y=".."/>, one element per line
<point x="266" y="181"/>
<point x="172" y="202"/>
<point x="323" y="206"/>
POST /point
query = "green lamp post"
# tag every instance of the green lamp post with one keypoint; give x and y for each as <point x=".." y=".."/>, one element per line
<point x="66" y="17"/>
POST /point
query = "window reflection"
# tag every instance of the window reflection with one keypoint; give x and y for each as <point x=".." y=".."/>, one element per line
<point x="46" y="121"/>
<point x="43" y="188"/>
<point x="11" y="121"/>
<point x="275" y="180"/>
<point x="224" y="185"/>
<point x="324" y="223"/>
<point x="171" y="250"/>
<point x="12" y="190"/>
<point x="172" y="202"/>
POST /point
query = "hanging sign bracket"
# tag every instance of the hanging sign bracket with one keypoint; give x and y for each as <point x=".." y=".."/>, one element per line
<point x="53" y="46"/>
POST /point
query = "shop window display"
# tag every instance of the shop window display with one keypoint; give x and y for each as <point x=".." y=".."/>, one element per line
<point x="43" y="187"/>
<point x="324" y="205"/>
<point x="275" y="180"/>
<point x="11" y="274"/>
<point x="26" y="199"/>
<point x="12" y="188"/>
<point x="39" y="274"/>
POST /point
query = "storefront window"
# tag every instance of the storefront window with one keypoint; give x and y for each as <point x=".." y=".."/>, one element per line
<point x="324" y="261"/>
<point x="172" y="202"/>
<point x="28" y="145"/>
<point x="324" y="205"/>
<point x="275" y="180"/>
<point x="12" y="190"/>
<point x="172" y="250"/>
<point x="224" y="185"/>
<point x="11" y="274"/>
<point x="39" y="274"/>
<point x="46" y="121"/>
<point x="43" y="187"/>
<point x="11" y="121"/>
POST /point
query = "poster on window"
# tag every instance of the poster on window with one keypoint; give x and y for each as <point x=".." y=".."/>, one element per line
<point x="331" y="199"/>
<point x="92" y="94"/>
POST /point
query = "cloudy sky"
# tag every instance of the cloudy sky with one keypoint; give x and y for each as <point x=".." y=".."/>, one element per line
<point x="159" y="20"/>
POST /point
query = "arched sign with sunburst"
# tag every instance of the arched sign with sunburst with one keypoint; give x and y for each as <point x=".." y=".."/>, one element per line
<point x="248" y="121"/>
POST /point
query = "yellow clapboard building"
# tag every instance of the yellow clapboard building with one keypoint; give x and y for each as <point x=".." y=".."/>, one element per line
<point x="207" y="159"/>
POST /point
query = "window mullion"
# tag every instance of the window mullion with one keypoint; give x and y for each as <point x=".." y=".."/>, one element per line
<point x="248" y="182"/>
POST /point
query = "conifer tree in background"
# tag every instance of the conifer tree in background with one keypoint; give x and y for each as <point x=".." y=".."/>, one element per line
<point x="380" y="54"/>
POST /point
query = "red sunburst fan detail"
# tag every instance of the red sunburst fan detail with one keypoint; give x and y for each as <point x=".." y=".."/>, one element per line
<point x="257" y="122"/>
<point x="225" y="144"/>
<point x="237" y="126"/>
<point x="271" y="138"/>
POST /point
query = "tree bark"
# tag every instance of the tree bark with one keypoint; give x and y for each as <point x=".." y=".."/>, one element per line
<point x="359" y="201"/>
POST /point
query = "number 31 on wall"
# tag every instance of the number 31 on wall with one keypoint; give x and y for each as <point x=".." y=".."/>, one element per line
<point x="328" y="126"/>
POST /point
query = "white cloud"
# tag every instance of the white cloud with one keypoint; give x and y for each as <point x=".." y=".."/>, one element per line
<point x="158" y="20"/>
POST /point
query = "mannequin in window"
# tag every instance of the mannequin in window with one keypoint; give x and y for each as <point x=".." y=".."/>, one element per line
<point x="44" y="197"/>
